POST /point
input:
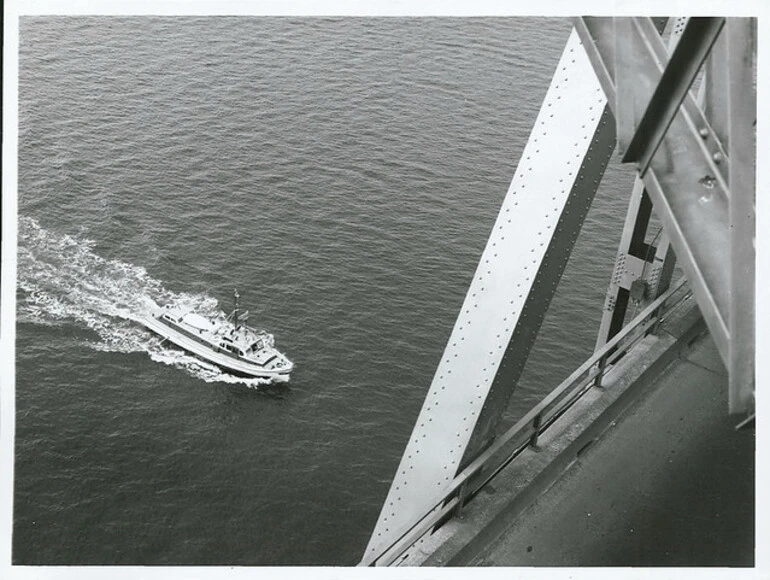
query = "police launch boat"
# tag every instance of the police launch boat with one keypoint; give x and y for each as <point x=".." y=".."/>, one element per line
<point x="226" y="342"/>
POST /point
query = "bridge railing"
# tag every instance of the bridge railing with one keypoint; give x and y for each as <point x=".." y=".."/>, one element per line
<point x="527" y="430"/>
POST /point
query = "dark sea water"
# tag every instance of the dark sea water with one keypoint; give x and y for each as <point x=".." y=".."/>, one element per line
<point x="343" y="175"/>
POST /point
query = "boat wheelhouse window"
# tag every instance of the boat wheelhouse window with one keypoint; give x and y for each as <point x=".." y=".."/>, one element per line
<point x="231" y="348"/>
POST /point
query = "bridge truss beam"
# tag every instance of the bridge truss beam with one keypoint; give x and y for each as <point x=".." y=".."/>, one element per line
<point x="704" y="197"/>
<point x="528" y="248"/>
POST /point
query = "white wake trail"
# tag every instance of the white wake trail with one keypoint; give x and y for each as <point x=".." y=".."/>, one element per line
<point x="63" y="281"/>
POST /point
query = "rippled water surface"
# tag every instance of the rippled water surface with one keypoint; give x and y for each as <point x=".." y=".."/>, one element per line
<point x="343" y="175"/>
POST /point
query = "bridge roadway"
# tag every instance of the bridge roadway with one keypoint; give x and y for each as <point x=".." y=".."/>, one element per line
<point x="670" y="482"/>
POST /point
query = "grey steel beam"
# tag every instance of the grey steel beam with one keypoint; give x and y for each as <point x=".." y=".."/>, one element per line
<point x="650" y="71"/>
<point x="657" y="277"/>
<point x="683" y="66"/>
<point x="687" y="187"/>
<point x="714" y="91"/>
<point x="596" y="36"/>
<point x="599" y="37"/>
<point x="631" y="247"/>
<point x="530" y="243"/>
<point x="696" y="222"/>
<point x="639" y="65"/>
<point x="630" y="96"/>
<point x="546" y="279"/>
<point x="741" y="37"/>
<point x="662" y="267"/>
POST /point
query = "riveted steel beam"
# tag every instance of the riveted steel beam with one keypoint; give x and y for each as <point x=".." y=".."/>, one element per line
<point x="530" y="243"/>
<point x="597" y="35"/>
<point x="681" y="69"/>
<point x="741" y="48"/>
<point x="714" y="91"/>
<point x="634" y="49"/>
<point x="549" y="271"/>
<point x="631" y="245"/>
<point x="657" y="276"/>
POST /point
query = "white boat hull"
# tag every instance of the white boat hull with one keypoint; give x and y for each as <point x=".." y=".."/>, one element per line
<point x="228" y="363"/>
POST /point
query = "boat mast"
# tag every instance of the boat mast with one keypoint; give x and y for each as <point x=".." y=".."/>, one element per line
<point x="235" y="310"/>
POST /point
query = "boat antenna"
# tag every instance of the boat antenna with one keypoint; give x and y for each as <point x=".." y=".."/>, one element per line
<point x="235" y="311"/>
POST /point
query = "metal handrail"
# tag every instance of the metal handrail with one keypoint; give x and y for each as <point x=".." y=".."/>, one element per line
<point x="527" y="429"/>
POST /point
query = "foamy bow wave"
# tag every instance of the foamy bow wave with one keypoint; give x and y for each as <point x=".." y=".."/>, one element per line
<point x="201" y="369"/>
<point x="64" y="281"/>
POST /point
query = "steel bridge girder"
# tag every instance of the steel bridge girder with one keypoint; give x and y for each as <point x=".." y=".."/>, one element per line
<point x="541" y="216"/>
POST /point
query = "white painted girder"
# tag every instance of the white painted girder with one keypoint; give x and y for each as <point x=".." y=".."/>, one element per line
<point x="495" y="304"/>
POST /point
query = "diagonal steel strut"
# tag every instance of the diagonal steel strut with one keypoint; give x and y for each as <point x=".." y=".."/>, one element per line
<point x="530" y="243"/>
<point x="691" y="51"/>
